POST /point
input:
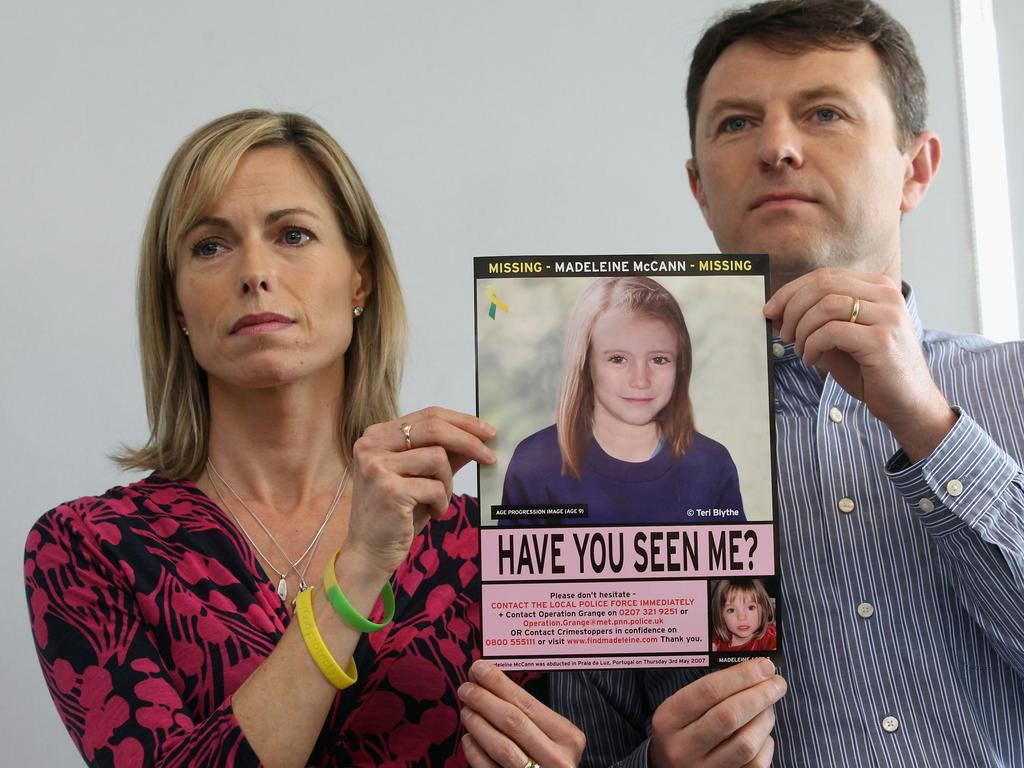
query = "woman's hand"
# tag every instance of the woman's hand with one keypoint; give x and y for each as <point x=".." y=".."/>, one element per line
<point x="508" y="727"/>
<point x="398" y="484"/>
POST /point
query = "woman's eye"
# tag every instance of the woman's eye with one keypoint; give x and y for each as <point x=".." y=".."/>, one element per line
<point x="617" y="359"/>
<point x="206" y="248"/>
<point x="661" y="360"/>
<point x="296" y="236"/>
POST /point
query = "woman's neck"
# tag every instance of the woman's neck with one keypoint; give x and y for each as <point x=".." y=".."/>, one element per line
<point x="278" y="446"/>
<point x="626" y="442"/>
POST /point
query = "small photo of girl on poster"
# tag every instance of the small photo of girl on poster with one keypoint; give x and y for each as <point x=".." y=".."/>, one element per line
<point x="625" y="442"/>
<point x="742" y="616"/>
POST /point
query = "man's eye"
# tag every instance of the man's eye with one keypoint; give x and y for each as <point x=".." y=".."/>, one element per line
<point x="735" y="124"/>
<point x="826" y="115"/>
<point x="296" y="236"/>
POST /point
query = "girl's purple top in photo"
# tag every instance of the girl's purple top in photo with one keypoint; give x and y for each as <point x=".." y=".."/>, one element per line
<point x="700" y="487"/>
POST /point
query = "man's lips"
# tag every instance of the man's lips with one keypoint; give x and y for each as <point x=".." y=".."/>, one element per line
<point x="255" y="325"/>
<point x="776" y="199"/>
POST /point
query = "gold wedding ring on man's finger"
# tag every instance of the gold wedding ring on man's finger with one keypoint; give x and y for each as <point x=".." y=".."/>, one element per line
<point x="856" y="309"/>
<point x="531" y="763"/>
<point x="407" y="434"/>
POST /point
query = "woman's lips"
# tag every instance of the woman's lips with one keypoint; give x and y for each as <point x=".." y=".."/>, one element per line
<point x="257" y="325"/>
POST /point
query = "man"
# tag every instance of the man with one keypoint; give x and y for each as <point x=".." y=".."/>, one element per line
<point x="899" y="450"/>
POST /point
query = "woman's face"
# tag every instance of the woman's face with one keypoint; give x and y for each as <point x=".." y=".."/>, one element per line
<point x="633" y="361"/>
<point x="265" y="282"/>
<point x="742" y="615"/>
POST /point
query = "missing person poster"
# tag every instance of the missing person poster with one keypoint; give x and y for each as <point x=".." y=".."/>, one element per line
<point x="629" y="520"/>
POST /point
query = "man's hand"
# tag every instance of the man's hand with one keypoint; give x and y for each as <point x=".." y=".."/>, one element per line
<point x="876" y="356"/>
<point x="723" y="720"/>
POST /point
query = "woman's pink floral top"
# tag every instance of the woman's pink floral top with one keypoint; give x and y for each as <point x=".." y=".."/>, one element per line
<point x="149" y="610"/>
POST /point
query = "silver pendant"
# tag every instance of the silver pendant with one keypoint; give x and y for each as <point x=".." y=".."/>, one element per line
<point x="282" y="589"/>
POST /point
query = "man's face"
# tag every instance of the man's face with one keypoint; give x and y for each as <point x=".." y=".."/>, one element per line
<point x="796" y="155"/>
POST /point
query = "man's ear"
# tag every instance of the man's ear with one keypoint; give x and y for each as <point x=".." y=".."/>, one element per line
<point x="696" y="187"/>
<point x="922" y="163"/>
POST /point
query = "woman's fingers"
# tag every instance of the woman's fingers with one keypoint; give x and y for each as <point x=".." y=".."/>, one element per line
<point x="460" y="434"/>
<point x="476" y="757"/>
<point x="504" y="751"/>
<point x="497" y="682"/>
<point x="512" y="726"/>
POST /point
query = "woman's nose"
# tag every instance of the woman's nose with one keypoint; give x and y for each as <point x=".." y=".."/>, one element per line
<point x="256" y="274"/>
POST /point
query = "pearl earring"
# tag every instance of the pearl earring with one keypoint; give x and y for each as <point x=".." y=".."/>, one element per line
<point x="357" y="312"/>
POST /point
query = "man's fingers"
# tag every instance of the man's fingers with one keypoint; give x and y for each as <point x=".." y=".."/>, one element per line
<point x="725" y="719"/>
<point x="746" y="745"/>
<point x="691" y="702"/>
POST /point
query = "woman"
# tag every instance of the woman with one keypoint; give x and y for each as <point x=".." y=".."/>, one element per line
<point x="271" y="327"/>
<point x="625" y="443"/>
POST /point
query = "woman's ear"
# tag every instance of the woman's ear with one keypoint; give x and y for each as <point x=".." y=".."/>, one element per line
<point x="362" y="283"/>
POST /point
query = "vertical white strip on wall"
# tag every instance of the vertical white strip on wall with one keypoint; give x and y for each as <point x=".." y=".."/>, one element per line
<point x="986" y="170"/>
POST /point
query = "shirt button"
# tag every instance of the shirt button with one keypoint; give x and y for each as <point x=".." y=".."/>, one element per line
<point x="926" y="505"/>
<point x="846" y="505"/>
<point x="890" y="724"/>
<point x="866" y="611"/>
<point x="954" y="487"/>
<point x="835" y="414"/>
<point x="778" y="350"/>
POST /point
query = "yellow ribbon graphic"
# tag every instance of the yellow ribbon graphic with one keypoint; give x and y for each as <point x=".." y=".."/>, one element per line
<point x="496" y="303"/>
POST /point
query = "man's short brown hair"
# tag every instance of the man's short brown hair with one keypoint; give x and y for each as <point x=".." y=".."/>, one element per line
<point x="796" y="26"/>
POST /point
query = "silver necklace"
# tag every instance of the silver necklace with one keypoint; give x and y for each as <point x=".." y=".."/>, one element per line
<point x="310" y="551"/>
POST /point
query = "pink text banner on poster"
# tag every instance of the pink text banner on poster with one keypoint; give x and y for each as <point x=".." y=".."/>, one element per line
<point x="633" y="552"/>
<point x="626" y="617"/>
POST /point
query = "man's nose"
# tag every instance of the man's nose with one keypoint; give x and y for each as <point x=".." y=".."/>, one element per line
<point x="780" y="144"/>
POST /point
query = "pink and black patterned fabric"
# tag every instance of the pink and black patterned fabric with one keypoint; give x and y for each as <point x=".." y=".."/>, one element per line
<point x="149" y="610"/>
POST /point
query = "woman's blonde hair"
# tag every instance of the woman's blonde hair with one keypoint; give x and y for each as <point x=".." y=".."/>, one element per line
<point x="639" y="296"/>
<point x="720" y="595"/>
<point x="177" y="402"/>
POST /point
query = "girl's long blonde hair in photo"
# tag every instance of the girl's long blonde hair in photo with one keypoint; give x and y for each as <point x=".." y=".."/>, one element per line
<point x="639" y="296"/>
<point x="177" y="402"/>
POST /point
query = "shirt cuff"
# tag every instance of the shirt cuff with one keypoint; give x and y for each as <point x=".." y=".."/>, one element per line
<point x="959" y="484"/>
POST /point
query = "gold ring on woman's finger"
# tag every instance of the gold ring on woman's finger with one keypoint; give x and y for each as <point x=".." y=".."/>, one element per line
<point x="531" y="763"/>
<point x="856" y="309"/>
<point x="407" y="434"/>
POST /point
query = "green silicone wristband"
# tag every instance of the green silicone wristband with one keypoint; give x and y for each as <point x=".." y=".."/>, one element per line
<point x="344" y="608"/>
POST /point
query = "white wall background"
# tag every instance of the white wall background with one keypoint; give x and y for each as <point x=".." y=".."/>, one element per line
<point x="481" y="128"/>
<point x="1009" y="19"/>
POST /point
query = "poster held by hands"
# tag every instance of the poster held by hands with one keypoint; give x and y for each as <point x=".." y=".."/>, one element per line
<point x="630" y="519"/>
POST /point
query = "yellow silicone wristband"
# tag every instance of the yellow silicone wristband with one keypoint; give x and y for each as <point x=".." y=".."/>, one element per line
<point x="338" y="677"/>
